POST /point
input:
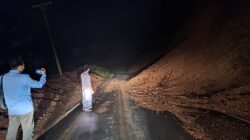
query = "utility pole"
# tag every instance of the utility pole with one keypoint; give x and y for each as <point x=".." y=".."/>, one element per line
<point x="43" y="7"/>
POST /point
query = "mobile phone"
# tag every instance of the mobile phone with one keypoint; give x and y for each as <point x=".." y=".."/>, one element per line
<point x="38" y="71"/>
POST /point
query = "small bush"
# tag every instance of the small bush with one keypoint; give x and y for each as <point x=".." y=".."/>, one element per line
<point x="101" y="71"/>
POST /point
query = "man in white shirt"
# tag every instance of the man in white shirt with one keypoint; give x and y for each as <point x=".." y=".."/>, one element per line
<point x="87" y="90"/>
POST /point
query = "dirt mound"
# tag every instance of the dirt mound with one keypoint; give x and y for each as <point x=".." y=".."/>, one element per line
<point x="209" y="69"/>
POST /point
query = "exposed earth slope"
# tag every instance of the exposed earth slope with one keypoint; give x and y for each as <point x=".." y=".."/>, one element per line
<point x="207" y="69"/>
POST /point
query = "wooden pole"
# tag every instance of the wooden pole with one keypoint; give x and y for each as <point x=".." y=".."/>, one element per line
<point x="43" y="7"/>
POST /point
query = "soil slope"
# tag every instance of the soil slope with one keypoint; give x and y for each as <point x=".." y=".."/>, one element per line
<point x="208" y="68"/>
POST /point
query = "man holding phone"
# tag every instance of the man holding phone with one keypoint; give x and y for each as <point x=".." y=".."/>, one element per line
<point x="17" y="93"/>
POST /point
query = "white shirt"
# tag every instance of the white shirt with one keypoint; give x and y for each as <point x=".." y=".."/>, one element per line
<point x="86" y="81"/>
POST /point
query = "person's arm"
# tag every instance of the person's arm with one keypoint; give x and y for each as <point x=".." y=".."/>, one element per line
<point x="36" y="84"/>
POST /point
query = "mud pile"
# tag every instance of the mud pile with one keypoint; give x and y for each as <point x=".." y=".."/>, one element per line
<point x="206" y="71"/>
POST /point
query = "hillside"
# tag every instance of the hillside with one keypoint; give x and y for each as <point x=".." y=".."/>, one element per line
<point x="207" y="70"/>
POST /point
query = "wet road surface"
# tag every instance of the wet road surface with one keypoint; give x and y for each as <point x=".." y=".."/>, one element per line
<point x="115" y="117"/>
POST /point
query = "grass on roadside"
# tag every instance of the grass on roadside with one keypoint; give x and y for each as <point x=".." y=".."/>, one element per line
<point x="101" y="71"/>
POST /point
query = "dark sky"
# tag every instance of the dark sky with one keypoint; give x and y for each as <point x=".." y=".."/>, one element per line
<point x="106" y="32"/>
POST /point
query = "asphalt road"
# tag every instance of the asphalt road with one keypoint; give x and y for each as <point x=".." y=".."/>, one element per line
<point x="115" y="117"/>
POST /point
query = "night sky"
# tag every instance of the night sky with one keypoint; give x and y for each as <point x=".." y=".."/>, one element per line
<point x="102" y="32"/>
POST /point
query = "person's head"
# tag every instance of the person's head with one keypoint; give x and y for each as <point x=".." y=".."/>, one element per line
<point x="17" y="63"/>
<point x="86" y="68"/>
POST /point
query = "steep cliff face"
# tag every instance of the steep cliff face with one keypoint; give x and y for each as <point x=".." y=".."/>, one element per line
<point x="208" y="66"/>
